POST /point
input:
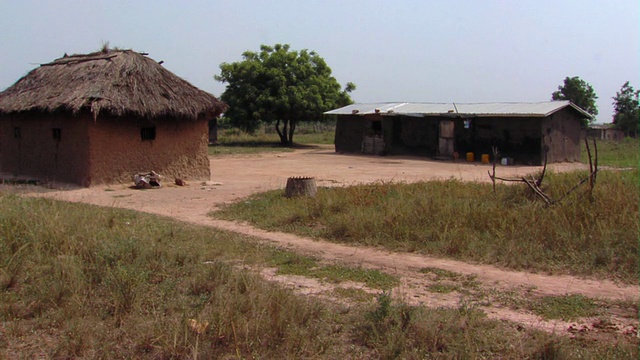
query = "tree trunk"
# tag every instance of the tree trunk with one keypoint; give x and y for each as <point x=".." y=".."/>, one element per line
<point x="301" y="186"/>
<point x="281" y="134"/>
<point x="286" y="134"/>
<point x="292" y="128"/>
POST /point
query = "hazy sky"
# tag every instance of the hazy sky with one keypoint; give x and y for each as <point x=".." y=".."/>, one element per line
<point x="422" y="50"/>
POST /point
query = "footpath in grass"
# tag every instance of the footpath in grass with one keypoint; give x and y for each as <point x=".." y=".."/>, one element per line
<point x="581" y="235"/>
<point x="79" y="281"/>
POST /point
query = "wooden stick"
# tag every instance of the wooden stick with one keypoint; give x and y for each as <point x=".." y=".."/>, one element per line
<point x="595" y="165"/>
<point x="586" y="142"/>
<point x="79" y="60"/>
<point x="533" y="188"/>
<point x="505" y="179"/>
<point x="544" y="169"/>
<point x="574" y="188"/>
<point x="494" y="149"/>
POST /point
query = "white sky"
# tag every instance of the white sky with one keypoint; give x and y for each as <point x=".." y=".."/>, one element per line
<point x="423" y="51"/>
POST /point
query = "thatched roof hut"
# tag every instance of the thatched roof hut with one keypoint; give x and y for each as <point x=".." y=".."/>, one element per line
<point x="114" y="82"/>
<point x="106" y="114"/>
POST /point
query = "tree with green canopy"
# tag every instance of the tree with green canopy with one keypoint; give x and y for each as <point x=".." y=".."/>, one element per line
<point x="282" y="86"/>
<point x="580" y="93"/>
<point x="626" y="107"/>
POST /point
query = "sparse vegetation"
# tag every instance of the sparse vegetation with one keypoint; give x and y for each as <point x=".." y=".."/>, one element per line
<point x="624" y="154"/>
<point x="101" y="282"/>
<point x="567" y="307"/>
<point x="83" y="281"/>
<point x="467" y="221"/>
<point x="395" y="330"/>
<point x="234" y="141"/>
<point x="294" y="264"/>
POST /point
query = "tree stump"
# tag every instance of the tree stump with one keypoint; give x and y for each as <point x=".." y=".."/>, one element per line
<point x="301" y="186"/>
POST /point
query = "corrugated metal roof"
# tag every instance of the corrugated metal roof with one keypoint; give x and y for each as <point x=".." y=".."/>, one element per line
<point x="540" y="109"/>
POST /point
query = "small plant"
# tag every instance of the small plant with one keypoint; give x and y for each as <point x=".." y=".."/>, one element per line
<point x="440" y="273"/>
<point x="294" y="264"/>
<point x="443" y="288"/>
<point x="354" y="294"/>
<point x="124" y="284"/>
<point x="382" y="310"/>
<point x="567" y="307"/>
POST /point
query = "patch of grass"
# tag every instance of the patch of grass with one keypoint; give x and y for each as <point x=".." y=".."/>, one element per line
<point x="120" y="196"/>
<point x="295" y="264"/>
<point x="100" y="282"/>
<point x="467" y="221"/>
<point x="443" y="288"/>
<point x="567" y="307"/>
<point x="353" y="294"/>
<point x="247" y="148"/>
<point x="625" y="153"/>
<point x="108" y="283"/>
<point x="445" y="281"/>
<point x="440" y="273"/>
<point x="233" y="141"/>
<point x="374" y="279"/>
<point x="394" y="330"/>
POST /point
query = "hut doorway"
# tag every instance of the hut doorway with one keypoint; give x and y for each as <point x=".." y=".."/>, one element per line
<point x="373" y="140"/>
<point x="446" y="138"/>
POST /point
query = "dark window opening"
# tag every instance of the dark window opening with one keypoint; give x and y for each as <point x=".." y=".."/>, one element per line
<point x="57" y="134"/>
<point x="17" y="133"/>
<point x="148" y="133"/>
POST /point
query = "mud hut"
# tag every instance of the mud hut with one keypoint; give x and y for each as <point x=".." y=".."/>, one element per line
<point x="524" y="132"/>
<point x="99" y="118"/>
<point x="605" y="132"/>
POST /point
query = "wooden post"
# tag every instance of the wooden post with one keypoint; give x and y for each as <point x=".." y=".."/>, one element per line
<point x="301" y="185"/>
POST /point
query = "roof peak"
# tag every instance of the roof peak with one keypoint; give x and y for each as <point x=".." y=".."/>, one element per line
<point x="97" y="55"/>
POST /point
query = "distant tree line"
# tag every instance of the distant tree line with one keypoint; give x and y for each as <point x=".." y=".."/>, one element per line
<point x="283" y="87"/>
<point x="626" y="105"/>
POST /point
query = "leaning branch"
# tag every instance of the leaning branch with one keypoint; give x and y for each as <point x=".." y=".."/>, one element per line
<point x="534" y="184"/>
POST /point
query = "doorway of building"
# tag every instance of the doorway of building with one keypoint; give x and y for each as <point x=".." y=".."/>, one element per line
<point x="446" y="138"/>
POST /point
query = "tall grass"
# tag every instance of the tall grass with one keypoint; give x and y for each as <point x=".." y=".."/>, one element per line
<point x="398" y="331"/>
<point x="79" y="281"/>
<point x="468" y="221"/>
<point x="625" y="153"/>
<point x="235" y="141"/>
<point x="104" y="280"/>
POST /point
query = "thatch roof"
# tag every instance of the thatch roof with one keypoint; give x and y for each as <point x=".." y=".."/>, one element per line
<point x="114" y="82"/>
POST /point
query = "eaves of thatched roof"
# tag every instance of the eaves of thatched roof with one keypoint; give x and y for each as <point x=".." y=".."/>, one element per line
<point x="110" y="82"/>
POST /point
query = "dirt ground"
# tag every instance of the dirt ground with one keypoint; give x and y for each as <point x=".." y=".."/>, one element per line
<point x="238" y="176"/>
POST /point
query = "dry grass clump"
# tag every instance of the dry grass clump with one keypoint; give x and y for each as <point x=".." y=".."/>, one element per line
<point x="397" y="331"/>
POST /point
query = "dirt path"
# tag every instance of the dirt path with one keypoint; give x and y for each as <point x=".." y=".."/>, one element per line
<point x="235" y="177"/>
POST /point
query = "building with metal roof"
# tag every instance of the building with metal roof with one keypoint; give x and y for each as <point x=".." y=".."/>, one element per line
<point x="526" y="132"/>
<point x="540" y="109"/>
